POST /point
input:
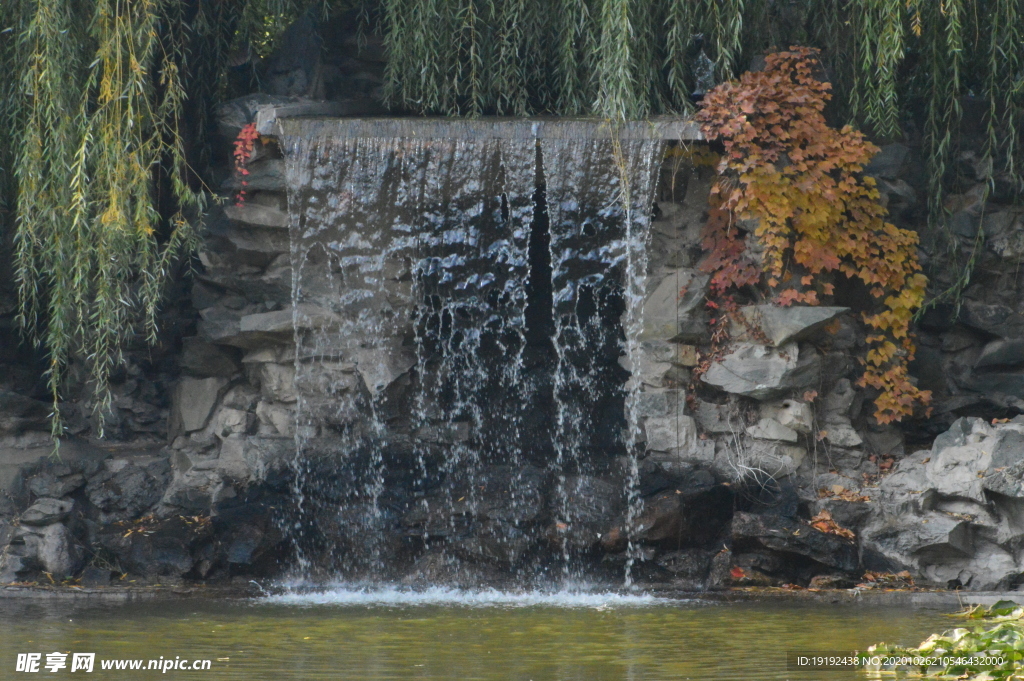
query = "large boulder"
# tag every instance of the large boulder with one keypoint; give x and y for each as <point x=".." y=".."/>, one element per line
<point x="762" y="372"/>
<point x="192" y="403"/>
<point x="955" y="514"/>
<point x="128" y="487"/>
<point x="781" y="325"/>
<point x="795" y="538"/>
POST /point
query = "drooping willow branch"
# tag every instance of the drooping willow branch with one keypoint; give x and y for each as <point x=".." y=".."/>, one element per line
<point x="103" y="101"/>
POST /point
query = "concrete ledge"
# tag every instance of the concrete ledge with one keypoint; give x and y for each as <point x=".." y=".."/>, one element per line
<point x="659" y="128"/>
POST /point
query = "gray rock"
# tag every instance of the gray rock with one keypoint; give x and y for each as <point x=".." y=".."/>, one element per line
<point x="56" y="551"/>
<point x="676" y="295"/>
<point x="203" y="359"/>
<point x="764" y="373"/>
<point x="718" y="418"/>
<point x="382" y="366"/>
<point x="1009" y="243"/>
<point x="12" y="566"/>
<point x="770" y="429"/>
<point x="6" y="533"/>
<point x="275" y="419"/>
<point x="277" y="382"/>
<point x="47" y="511"/>
<point x="781" y="325"/>
<point x="260" y="329"/>
<point x="740" y="459"/>
<point x="255" y="214"/>
<point x="264" y="175"/>
<point x="847" y="514"/>
<point x="233" y="114"/>
<point x="842" y="434"/>
<point x="193" y="401"/>
<point x="46" y="484"/>
<point x="677" y="434"/>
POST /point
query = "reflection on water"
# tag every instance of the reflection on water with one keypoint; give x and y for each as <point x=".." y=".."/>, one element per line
<point x="442" y="634"/>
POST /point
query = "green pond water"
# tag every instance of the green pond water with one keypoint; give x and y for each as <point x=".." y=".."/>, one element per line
<point x="440" y="635"/>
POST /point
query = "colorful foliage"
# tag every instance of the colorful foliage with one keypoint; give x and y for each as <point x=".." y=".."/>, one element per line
<point x="799" y="185"/>
<point x="245" y="143"/>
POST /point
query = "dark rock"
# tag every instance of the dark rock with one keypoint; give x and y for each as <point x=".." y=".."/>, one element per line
<point x="718" y="575"/>
<point x="495" y="543"/>
<point x="794" y="537"/>
<point x="129" y="488"/>
<point x="848" y="514"/>
<point x="93" y="577"/>
<point x="156" y="548"/>
<point x="1001" y="353"/>
<point x="763" y="562"/>
<point x="831" y="581"/>
<point x="693" y="564"/>
<point x="999" y="384"/>
<point x="998" y="320"/>
<point x="294" y="67"/>
<point x="245" y="542"/>
<point x="888" y="162"/>
<point x="203" y="359"/>
<point x="509" y="494"/>
<point x="19" y="413"/>
<point x="589" y="503"/>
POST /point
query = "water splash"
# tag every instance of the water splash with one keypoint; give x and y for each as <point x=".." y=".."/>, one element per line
<point x="346" y="596"/>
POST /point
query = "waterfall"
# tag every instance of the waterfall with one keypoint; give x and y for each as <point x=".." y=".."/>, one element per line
<point x="417" y="369"/>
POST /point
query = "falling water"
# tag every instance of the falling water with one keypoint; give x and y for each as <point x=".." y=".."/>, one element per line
<point x="410" y="271"/>
<point x="599" y="194"/>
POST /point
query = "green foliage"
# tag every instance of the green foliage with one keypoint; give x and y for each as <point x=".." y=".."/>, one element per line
<point x="969" y="654"/>
<point x="104" y="99"/>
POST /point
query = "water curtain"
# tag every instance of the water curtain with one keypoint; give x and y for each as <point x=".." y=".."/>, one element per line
<point x="418" y="265"/>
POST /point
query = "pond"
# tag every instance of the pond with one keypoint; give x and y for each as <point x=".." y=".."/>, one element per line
<point x="437" y="634"/>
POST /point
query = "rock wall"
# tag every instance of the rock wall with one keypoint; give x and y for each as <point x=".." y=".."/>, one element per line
<point x="768" y="469"/>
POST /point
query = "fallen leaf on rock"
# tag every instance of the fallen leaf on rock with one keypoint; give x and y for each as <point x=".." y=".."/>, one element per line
<point x="823" y="522"/>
